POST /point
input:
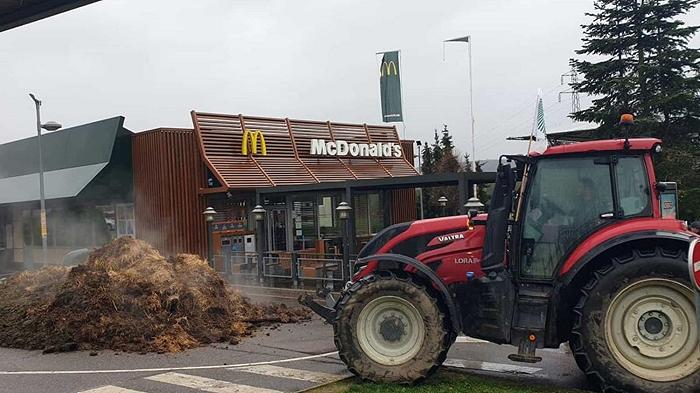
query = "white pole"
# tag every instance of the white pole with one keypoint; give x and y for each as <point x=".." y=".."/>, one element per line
<point x="471" y="109"/>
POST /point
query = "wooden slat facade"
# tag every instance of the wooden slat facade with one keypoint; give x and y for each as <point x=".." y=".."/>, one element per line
<point x="288" y="160"/>
<point x="403" y="201"/>
<point x="168" y="174"/>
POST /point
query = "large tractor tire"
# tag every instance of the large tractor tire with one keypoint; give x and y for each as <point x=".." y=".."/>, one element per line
<point x="636" y="328"/>
<point x="391" y="329"/>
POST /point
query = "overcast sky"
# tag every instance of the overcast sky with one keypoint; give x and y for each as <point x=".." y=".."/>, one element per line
<point x="154" y="61"/>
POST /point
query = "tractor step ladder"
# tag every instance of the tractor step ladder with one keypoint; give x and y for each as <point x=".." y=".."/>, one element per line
<point x="526" y="351"/>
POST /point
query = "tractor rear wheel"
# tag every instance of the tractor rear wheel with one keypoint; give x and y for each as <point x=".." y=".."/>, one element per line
<point x="390" y="329"/>
<point x="636" y="325"/>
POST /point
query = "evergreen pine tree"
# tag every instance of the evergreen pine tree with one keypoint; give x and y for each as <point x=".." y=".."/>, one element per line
<point x="427" y="163"/>
<point x="437" y="148"/>
<point x="446" y="140"/>
<point x="647" y="67"/>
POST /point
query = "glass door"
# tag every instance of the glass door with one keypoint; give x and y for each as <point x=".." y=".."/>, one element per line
<point x="278" y="229"/>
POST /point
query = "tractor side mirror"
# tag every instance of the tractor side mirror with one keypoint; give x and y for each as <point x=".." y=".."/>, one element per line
<point x="668" y="199"/>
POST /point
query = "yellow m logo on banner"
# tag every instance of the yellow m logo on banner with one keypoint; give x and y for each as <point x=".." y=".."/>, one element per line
<point x="251" y="137"/>
<point x="388" y="67"/>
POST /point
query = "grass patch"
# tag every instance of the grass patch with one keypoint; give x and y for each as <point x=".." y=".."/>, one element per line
<point x="444" y="382"/>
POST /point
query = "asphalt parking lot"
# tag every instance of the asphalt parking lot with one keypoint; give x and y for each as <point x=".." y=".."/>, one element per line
<point x="290" y="358"/>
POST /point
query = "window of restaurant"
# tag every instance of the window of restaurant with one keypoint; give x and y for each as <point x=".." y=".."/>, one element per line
<point x="79" y="226"/>
<point x="369" y="214"/>
<point x="68" y="227"/>
<point x="126" y="225"/>
<point x="328" y="223"/>
<point x="304" y="217"/>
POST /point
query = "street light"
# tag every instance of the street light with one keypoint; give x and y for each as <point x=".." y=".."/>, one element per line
<point x="473" y="206"/>
<point x="343" y="211"/>
<point x="51" y="126"/>
<point x="48" y="126"/>
<point x="209" y="214"/>
<point x="259" y="214"/>
<point x="443" y="203"/>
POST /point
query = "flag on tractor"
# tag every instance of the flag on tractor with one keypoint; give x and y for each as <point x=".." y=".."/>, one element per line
<point x="390" y="87"/>
<point x="541" y="130"/>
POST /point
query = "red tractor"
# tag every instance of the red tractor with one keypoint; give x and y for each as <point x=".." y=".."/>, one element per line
<point x="580" y="244"/>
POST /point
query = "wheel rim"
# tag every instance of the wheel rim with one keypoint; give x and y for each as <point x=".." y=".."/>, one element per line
<point x="651" y="331"/>
<point x="390" y="330"/>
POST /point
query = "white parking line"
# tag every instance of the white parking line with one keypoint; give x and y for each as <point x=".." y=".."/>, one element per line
<point x="162" y="369"/>
<point x="283" y="372"/>
<point x="110" y="389"/>
<point x="488" y="366"/>
<point x="207" y="384"/>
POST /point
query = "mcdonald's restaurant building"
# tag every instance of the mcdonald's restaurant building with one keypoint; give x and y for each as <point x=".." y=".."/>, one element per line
<point x="298" y="170"/>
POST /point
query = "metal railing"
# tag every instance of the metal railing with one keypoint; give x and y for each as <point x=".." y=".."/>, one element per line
<point x="285" y="268"/>
<point x="243" y="264"/>
<point x="278" y="264"/>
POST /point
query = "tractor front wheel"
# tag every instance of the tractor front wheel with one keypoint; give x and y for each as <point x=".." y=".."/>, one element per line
<point x="636" y="328"/>
<point x="390" y="329"/>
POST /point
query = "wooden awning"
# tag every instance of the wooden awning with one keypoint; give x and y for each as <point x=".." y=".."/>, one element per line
<point x="278" y="152"/>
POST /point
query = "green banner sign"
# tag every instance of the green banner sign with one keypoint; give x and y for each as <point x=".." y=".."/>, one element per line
<point x="390" y="87"/>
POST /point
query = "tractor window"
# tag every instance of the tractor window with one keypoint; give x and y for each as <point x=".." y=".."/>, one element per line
<point x="633" y="186"/>
<point x="566" y="199"/>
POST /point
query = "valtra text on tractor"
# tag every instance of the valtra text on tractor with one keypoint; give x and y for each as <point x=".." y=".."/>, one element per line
<point x="580" y="244"/>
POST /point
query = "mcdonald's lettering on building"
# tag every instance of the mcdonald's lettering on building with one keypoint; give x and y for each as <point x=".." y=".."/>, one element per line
<point x="252" y="139"/>
<point x="321" y="147"/>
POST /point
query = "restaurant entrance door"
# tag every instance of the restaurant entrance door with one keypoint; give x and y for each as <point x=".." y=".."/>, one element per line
<point x="278" y="228"/>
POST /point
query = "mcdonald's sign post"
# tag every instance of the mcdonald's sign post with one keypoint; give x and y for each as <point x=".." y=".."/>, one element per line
<point x="390" y="87"/>
<point x="250" y="143"/>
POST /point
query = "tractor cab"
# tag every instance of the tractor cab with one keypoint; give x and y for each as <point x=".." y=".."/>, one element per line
<point x="546" y="212"/>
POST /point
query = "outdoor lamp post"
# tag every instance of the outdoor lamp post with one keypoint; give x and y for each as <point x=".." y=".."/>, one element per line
<point x="48" y="126"/>
<point x="344" y="210"/>
<point x="209" y="214"/>
<point x="473" y="206"/>
<point x="259" y="216"/>
<point x="443" y="203"/>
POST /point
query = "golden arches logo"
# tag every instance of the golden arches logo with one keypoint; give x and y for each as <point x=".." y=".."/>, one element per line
<point x="388" y="67"/>
<point x="251" y="137"/>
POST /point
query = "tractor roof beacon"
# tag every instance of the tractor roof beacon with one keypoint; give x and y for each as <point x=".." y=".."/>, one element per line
<point x="580" y="244"/>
